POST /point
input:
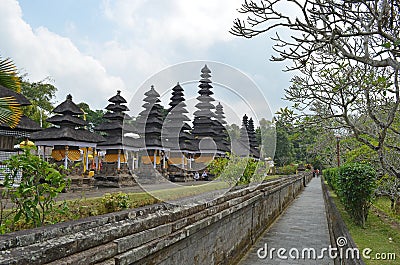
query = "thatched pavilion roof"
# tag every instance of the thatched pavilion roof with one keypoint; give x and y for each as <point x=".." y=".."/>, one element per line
<point x="21" y="99"/>
<point x="68" y="107"/>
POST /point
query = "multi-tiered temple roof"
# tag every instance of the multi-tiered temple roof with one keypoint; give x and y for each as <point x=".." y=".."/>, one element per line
<point x="252" y="134"/>
<point x="68" y="129"/>
<point x="176" y="134"/>
<point x="149" y="122"/>
<point x="222" y="136"/>
<point x="114" y="124"/>
<point x="204" y="123"/>
<point x="248" y="141"/>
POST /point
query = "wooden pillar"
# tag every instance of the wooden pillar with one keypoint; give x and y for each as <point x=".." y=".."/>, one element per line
<point x="66" y="157"/>
<point x="137" y="159"/>
<point x="190" y="161"/>
<point x="119" y="159"/>
<point x="87" y="159"/>
<point x="155" y="160"/>
<point x="133" y="160"/>
<point x="96" y="159"/>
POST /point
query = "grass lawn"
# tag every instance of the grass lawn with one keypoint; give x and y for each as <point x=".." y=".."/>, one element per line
<point x="383" y="204"/>
<point x="85" y="207"/>
<point x="377" y="235"/>
<point x="81" y="208"/>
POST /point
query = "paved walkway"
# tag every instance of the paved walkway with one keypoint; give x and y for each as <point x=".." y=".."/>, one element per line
<point x="302" y="225"/>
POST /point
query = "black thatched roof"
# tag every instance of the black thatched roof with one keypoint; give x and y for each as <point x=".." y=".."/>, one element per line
<point x="108" y="126"/>
<point x="116" y="116"/>
<point x="117" y="98"/>
<point x="25" y="124"/>
<point x="22" y="100"/>
<point x="67" y="133"/>
<point x="68" y="107"/>
<point x="243" y="149"/>
<point x="113" y="140"/>
<point x="66" y="119"/>
<point x="116" y="107"/>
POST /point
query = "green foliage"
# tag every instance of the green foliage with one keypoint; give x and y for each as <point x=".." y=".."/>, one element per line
<point x="253" y="172"/>
<point x="114" y="202"/>
<point x="355" y="186"/>
<point x="331" y="175"/>
<point x="390" y="186"/>
<point x="233" y="131"/>
<point x="40" y="94"/>
<point x="10" y="111"/>
<point x="8" y="75"/>
<point x="217" y="166"/>
<point x="34" y="195"/>
<point x="286" y="170"/>
<point x="284" y="147"/>
<point x="266" y="138"/>
<point x="93" y="117"/>
<point x="237" y="170"/>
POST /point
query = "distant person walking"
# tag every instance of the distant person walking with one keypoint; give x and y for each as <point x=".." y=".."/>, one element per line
<point x="204" y="175"/>
<point x="196" y="176"/>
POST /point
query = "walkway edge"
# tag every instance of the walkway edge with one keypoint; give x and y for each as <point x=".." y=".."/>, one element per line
<point x="337" y="228"/>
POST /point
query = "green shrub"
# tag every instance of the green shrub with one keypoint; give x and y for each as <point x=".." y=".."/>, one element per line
<point x="355" y="186"/>
<point x="237" y="170"/>
<point x="331" y="175"/>
<point x="286" y="170"/>
<point x="33" y="196"/>
<point x="217" y="166"/>
<point x="114" y="202"/>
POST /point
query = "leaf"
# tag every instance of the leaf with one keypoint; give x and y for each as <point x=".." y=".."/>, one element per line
<point x="10" y="111"/>
<point x="386" y="45"/>
<point x="8" y="75"/>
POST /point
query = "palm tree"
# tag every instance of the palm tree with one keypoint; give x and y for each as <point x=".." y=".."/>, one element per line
<point x="10" y="110"/>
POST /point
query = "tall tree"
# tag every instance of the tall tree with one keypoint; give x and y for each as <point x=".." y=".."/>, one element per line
<point x="266" y="137"/>
<point x="348" y="53"/>
<point x="93" y="117"/>
<point x="41" y="94"/>
<point x="233" y="131"/>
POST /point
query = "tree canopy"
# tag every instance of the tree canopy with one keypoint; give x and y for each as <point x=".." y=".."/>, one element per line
<point x="347" y="54"/>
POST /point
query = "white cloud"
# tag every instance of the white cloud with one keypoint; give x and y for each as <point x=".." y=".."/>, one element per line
<point x="197" y="24"/>
<point x="42" y="53"/>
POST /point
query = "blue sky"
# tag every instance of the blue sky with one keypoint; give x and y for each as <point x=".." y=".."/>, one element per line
<point x="92" y="48"/>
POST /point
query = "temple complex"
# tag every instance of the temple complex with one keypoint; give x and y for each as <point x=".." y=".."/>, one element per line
<point x="158" y="145"/>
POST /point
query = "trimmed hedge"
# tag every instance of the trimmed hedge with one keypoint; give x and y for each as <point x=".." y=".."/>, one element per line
<point x="354" y="183"/>
<point x="330" y="175"/>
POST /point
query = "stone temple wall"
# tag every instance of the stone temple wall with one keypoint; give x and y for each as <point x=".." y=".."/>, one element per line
<point x="216" y="232"/>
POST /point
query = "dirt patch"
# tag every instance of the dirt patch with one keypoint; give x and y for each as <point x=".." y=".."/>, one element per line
<point x="386" y="218"/>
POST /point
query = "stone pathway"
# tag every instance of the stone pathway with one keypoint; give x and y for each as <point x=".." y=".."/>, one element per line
<point x="303" y="225"/>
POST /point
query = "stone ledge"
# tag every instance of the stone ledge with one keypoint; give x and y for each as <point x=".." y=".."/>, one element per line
<point x="137" y="234"/>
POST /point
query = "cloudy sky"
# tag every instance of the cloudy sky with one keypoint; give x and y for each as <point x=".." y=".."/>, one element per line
<point x="92" y="48"/>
